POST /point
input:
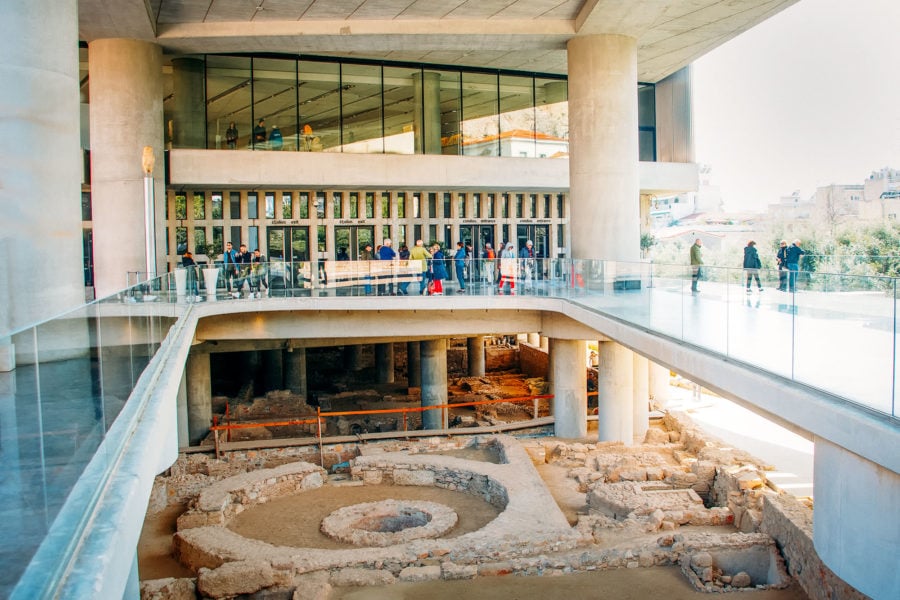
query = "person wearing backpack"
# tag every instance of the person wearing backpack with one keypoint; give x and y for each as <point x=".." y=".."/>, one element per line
<point x="752" y="264"/>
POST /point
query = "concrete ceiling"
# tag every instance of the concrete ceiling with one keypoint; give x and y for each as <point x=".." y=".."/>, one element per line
<point x="527" y="35"/>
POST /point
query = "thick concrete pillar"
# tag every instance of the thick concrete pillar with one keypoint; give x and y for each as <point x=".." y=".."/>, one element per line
<point x="568" y="384"/>
<point x="295" y="370"/>
<point x="641" y="403"/>
<point x="603" y="147"/>
<point x="659" y="384"/>
<point x="615" y="387"/>
<point x="413" y="364"/>
<point x="184" y="438"/>
<point x="434" y="382"/>
<point x="534" y="339"/>
<point x="384" y="363"/>
<point x="199" y="396"/>
<point x="273" y="370"/>
<point x="545" y="343"/>
<point x="427" y="112"/>
<point x="475" y="353"/>
<point x="856" y="532"/>
<point x="41" y="170"/>
<point x="189" y="98"/>
<point x="353" y="357"/>
<point x="126" y="116"/>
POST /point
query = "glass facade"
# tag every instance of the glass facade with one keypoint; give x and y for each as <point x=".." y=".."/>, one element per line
<point x="316" y="104"/>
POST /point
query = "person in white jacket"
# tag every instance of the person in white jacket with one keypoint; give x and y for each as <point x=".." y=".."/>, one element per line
<point x="509" y="266"/>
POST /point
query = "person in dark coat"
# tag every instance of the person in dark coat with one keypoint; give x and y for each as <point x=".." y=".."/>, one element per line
<point x="781" y="259"/>
<point x="792" y="258"/>
<point x="752" y="264"/>
<point x="438" y="269"/>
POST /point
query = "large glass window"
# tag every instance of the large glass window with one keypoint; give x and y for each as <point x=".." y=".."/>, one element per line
<point x="228" y="102"/>
<point x="199" y="206"/>
<point x="551" y="118"/>
<point x="320" y="205"/>
<point x="401" y="110"/>
<point x="370" y="205"/>
<point x="517" y="116"/>
<point x="252" y="205"/>
<point x="401" y="205"/>
<point x="480" y="121"/>
<point x="275" y="103"/>
<point x="270" y="205"/>
<point x="200" y="240"/>
<point x="354" y="205"/>
<point x="451" y="107"/>
<point x="234" y="205"/>
<point x="287" y="211"/>
<point x="180" y="206"/>
<point x="303" y="206"/>
<point x="337" y="199"/>
<point x="253" y="238"/>
<point x="218" y="242"/>
<point x="385" y="205"/>
<point x="181" y="234"/>
<point x="216" y="200"/>
<point x="647" y="121"/>
<point x="320" y="106"/>
<point x="461" y="205"/>
<point x="447" y="201"/>
<point x="361" y="109"/>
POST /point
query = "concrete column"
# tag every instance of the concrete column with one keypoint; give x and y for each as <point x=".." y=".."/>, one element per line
<point x="855" y="530"/>
<point x="184" y="438"/>
<point x="603" y="147"/>
<point x="189" y="97"/>
<point x="659" y="384"/>
<point x="126" y="116"/>
<point x="475" y="353"/>
<point x="615" y="387"/>
<point x="545" y="343"/>
<point x="413" y="364"/>
<point x="427" y="112"/>
<point x="641" y="403"/>
<point x="434" y="381"/>
<point x="273" y="370"/>
<point x="295" y="370"/>
<point x="353" y="357"/>
<point x="41" y="170"/>
<point x="534" y="339"/>
<point x="199" y="396"/>
<point x="384" y="363"/>
<point x="568" y="385"/>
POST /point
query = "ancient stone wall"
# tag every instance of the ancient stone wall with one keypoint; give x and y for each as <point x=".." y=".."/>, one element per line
<point x="533" y="361"/>
<point x="789" y="522"/>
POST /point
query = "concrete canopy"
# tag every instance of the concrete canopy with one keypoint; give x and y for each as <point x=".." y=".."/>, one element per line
<point x="526" y="35"/>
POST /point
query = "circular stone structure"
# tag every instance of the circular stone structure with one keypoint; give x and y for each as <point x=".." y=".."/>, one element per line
<point x="388" y="522"/>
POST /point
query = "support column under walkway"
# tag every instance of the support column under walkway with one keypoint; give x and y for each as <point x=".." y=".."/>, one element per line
<point x="568" y="385"/>
<point x="199" y="396"/>
<point x="475" y="354"/>
<point x="615" y="391"/>
<point x="434" y="382"/>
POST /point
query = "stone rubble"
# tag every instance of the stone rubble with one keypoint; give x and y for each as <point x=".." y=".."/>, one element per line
<point x="641" y="504"/>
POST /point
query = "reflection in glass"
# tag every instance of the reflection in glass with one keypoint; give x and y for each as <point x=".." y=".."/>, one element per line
<point x="180" y="206"/>
<point x="275" y="101"/>
<point x="361" y="109"/>
<point x="480" y="125"/>
<point x="320" y="106"/>
<point x="228" y="101"/>
<point x="451" y="113"/>
<point x="517" y="116"/>
<point x="252" y="205"/>
<point x="551" y="118"/>
<point x="303" y="205"/>
<point x="199" y="206"/>
<point x="286" y="208"/>
<point x="216" y="199"/>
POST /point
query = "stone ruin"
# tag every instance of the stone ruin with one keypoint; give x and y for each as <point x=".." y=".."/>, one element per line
<point x="678" y="500"/>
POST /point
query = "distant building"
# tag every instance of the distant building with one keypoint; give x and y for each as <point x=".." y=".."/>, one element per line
<point x="881" y="196"/>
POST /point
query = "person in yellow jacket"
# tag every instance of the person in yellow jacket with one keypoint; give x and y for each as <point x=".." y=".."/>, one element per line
<point x="421" y="254"/>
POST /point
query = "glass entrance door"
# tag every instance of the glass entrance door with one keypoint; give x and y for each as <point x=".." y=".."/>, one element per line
<point x="288" y="254"/>
<point x="352" y="241"/>
<point x="540" y="236"/>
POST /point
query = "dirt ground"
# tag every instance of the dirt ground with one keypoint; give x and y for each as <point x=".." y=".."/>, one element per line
<point x="621" y="584"/>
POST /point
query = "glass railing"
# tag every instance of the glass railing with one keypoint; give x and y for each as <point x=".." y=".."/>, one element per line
<point x="73" y="375"/>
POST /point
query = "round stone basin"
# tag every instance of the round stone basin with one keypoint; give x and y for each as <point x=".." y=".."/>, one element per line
<point x="388" y="522"/>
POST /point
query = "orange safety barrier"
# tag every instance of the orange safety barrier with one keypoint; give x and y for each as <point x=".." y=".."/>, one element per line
<point x="228" y="427"/>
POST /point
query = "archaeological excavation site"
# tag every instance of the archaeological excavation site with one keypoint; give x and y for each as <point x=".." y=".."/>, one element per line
<point x="329" y="494"/>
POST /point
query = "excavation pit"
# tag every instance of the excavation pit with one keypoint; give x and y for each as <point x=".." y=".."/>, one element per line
<point x="388" y="522"/>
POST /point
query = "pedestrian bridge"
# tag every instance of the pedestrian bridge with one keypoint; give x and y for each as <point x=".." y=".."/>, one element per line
<point x="90" y="414"/>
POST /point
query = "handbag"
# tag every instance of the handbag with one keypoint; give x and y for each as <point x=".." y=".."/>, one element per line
<point x="430" y="287"/>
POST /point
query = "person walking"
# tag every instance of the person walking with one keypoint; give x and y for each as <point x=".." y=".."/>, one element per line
<point x="487" y="265"/>
<point x="509" y="268"/>
<point x="792" y="258"/>
<point x="527" y="256"/>
<point x="696" y="265"/>
<point x="437" y="269"/>
<point x="403" y="286"/>
<point x="187" y="261"/>
<point x="420" y="253"/>
<point x="459" y="262"/>
<point x="276" y="140"/>
<point x="259" y="134"/>
<point x="387" y="252"/>
<point x="258" y="272"/>
<point x="367" y="255"/>
<point x="242" y="264"/>
<point x="752" y="264"/>
<point x="781" y="259"/>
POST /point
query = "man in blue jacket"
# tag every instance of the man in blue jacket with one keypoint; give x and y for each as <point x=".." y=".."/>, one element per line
<point x="792" y="258"/>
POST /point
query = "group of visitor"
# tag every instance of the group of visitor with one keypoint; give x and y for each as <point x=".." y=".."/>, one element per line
<point x="787" y="260"/>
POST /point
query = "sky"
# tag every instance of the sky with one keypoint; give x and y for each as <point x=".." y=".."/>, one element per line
<point x="807" y="98"/>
